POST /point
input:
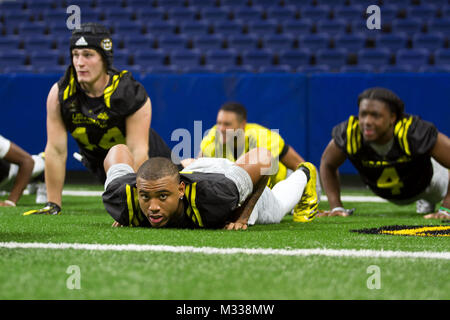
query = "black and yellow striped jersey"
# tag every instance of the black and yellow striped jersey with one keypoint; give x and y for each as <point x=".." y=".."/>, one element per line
<point x="405" y="171"/>
<point x="209" y="202"/>
<point x="97" y="124"/>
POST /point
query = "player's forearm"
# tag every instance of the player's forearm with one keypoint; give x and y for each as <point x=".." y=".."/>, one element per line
<point x="250" y="203"/>
<point x="331" y="185"/>
<point x="55" y="171"/>
<point x="22" y="179"/>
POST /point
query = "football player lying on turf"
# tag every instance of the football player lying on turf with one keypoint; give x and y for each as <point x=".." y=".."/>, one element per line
<point x="400" y="157"/>
<point x="18" y="167"/>
<point x="209" y="193"/>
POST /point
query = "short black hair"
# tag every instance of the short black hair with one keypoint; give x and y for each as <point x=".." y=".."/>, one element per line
<point x="237" y="108"/>
<point x="157" y="168"/>
<point x="395" y="104"/>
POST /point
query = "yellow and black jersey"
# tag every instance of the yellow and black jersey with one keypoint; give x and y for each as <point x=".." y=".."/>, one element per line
<point x="255" y="136"/>
<point x="405" y="171"/>
<point x="97" y="124"/>
<point x="209" y="202"/>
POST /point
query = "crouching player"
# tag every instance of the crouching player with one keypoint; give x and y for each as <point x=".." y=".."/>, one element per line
<point x="209" y="193"/>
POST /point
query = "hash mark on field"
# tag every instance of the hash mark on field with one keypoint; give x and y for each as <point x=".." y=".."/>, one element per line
<point x="250" y="251"/>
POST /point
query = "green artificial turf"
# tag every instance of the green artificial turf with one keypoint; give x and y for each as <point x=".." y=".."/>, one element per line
<point x="43" y="273"/>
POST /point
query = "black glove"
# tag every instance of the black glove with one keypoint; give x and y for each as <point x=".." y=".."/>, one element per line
<point x="49" y="209"/>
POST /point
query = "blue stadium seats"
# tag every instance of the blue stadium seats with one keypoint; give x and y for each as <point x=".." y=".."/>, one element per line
<point x="185" y="57"/>
<point x="407" y="25"/>
<point x="139" y="4"/>
<point x="297" y="27"/>
<point x="442" y="57"/>
<point x="199" y="69"/>
<point x="207" y="42"/>
<point x="262" y="27"/>
<point x="202" y="3"/>
<point x="170" y="3"/>
<point x="93" y="15"/>
<point x="237" y="69"/>
<point x="172" y="41"/>
<point x="363" y="68"/>
<point x="331" y="2"/>
<point x="161" y="69"/>
<point x="423" y="12"/>
<point x="297" y="3"/>
<point x="182" y="14"/>
<point x="193" y="28"/>
<point x="395" y="69"/>
<point x="221" y="57"/>
<point x="278" y="42"/>
<point x="332" y="27"/>
<point x="413" y="57"/>
<point x="128" y="27"/>
<point x="15" y="17"/>
<point x="233" y="3"/>
<point x="8" y="43"/>
<point x="392" y="41"/>
<point x="315" y="13"/>
<point x="106" y="4"/>
<point x="351" y="42"/>
<point x="150" y="14"/>
<point x="276" y="69"/>
<point x="215" y="14"/>
<point x="243" y="41"/>
<point x="375" y="57"/>
<point x="38" y="6"/>
<point x="294" y="57"/>
<point x="31" y="28"/>
<point x="314" y="41"/>
<point x="52" y="69"/>
<point x="133" y="43"/>
<point x="389" y="13"/>
<point x="228" y="28"/>
<point x="350" y="13"/>
<point x="400" y="3"/>
<point x="121" y="58"/>
<point x="118" y="14"/>
<point x="360" y="26"/>
<point x="83" y="4"/>
<point x="264" y="3"/>
<point x="38" y="42"/>
<point x="248" y="13"/>
<point x="19" y="70"/>
<point x="282" y="13"/>
<point x="438" y="2"/>
<point x="12" y="5"/>
<point x="155" y="57"/>
<point x="55" y="16"/>
<point x="314" y="69"/>
<point x="334" y="58"/>
<point x="45" y="58"/>
<point x="440" y="25"/>
<point x="435" y="69"/>
<point x="58" y="29"/>
<point x="430" y="41"/>
<point x="161" y="27"/>
<point x="257" y="58"/>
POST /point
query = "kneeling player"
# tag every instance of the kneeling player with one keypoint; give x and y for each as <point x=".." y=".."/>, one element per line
<point x="209" y="193"/>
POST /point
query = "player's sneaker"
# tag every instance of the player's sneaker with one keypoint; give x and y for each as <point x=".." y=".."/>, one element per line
<point x="423" y="206"/>
<point x="308" y="206"/>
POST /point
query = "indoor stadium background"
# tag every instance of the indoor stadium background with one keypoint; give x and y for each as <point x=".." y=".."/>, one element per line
<point x="297" y="65"/>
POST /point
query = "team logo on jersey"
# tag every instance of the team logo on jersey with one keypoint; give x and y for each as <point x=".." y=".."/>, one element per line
<point x="106" y="44"/>
<point x="418" y="231"/>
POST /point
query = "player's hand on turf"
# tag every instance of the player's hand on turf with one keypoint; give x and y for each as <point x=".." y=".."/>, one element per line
<point x="49" y="209"/>
<point x="116" y="224"/>
<point x="437" y="215"/>
<point x="236" y="226"/>
<point x="336" y="213"/>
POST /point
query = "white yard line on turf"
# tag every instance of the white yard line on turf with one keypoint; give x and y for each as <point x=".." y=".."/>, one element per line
<point x="354" y="198"/>
<point x="226" y="251"/>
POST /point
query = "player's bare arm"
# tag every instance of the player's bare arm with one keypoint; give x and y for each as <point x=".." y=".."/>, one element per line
<point x="56" y="149"/>
<point x="137" y="126"/>
<point x="332" y="159"/>
<point x="292" y="159"/>
<point x="441" y="152"/>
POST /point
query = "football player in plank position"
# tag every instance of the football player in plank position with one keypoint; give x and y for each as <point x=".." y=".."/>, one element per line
<point x="18" y="167"/>
<point x="232" y="136"/>
<point x="209" y="193"/>
<point x="100" y="107"/>
<point x="400" y="157"/>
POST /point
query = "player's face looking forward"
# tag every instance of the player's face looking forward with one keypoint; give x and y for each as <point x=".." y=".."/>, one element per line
<point x="376" y="121"/>
<point x="88" y="65"/>
<point x="160" y="200"/>
<point x="228" y="121"/>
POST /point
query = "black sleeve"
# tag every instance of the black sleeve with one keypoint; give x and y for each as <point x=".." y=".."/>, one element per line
<point x="339" y="135"/>
<point x="422" y="136"/>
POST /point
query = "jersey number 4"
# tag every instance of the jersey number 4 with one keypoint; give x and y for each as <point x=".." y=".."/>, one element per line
<point x="112" y="137"/>
<point x="389" y="179"/>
